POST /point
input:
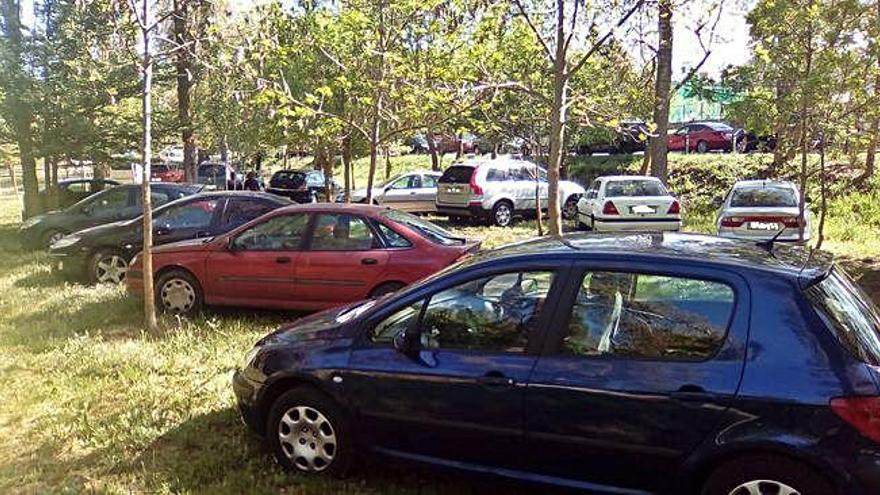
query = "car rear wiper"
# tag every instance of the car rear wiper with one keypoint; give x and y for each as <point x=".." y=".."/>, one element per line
<point x="768" y="244"/>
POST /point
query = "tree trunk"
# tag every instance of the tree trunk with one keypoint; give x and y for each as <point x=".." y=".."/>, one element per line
<point x="53" y="189"/>
<point x="804" y="138"/>
<point x="557" y="126"/>
<point x="146" y="152"/>
<point x="657" y="145"/>
<point x="432" y="149"/>
<point x="346" y="167"/>
<point x="184" y="67"/>
<point x="460" y="151"/>
<point x="387" y="163"/>
<point x="823" y="195"/>
<point x="540" y="218"/>
<point x="328" y="175"/>
<point x="875" y="127"/>
<point x="224" y="150"/>
<point x="374" y="159"/>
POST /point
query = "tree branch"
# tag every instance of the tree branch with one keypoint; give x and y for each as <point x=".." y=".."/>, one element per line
<point x="534" y="29"/>
<point x="601" y="42"/>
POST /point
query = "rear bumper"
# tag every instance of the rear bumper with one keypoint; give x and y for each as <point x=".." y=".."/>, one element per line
<point x="298" y="196"/>
<point x="471" y="210"/>
<point x="632" y="224"/>
<point x="762" y="236"/>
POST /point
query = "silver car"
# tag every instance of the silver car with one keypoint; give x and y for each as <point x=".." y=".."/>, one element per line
<point x="414" y="192"/>
<point x="759" y="209"/>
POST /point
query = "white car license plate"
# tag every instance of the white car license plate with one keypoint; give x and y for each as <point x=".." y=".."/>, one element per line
<point x="763" y="226"/>
<point x="643" y="210"/>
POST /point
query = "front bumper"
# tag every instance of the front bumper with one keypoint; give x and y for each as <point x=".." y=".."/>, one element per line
<point x="72" y="266"/>
<point x="246" y="391"/>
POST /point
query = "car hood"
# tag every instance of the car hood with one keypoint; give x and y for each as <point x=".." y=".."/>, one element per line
<point x="105" y="229"/>
<point x="324" y="325"/>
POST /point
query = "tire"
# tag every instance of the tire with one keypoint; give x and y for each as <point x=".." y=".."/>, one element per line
<point x="50" y="236"/>
<point x="702" y="147"/>
<point x="304" y="423"/>
<point x="502" y="214"/>
<point x="569" y="209"/>
<point x="768" y="474"/>
<point x="178" y="292"/>
<point x="385" y="288"/>
<point x="107" y="267"/>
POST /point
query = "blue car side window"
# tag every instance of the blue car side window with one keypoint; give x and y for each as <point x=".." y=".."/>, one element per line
<point x="648" y="316"/>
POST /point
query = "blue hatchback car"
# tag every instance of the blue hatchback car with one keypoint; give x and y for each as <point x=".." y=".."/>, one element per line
<point x="627" y="363"/>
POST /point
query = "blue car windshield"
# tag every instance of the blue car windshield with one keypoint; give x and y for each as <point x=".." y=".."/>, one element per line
<point x="850" y="314"/>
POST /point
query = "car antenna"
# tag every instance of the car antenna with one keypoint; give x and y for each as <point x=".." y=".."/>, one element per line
<point x="768" y="244"/>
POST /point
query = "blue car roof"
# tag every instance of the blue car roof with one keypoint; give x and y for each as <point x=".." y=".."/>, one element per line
<point x="806" y="264"/>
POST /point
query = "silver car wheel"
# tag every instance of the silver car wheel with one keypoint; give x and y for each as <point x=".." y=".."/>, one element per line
<point x="111" y="269"/>
<point x="569" y="211"/>
<point x="502" y="215"/>
<point x="764" y="487"/>
<point x="307" y="438"/>
<point x="177" y="295"/>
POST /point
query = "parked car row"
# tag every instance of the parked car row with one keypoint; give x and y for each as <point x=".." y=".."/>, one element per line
<point x="717" y="366"/>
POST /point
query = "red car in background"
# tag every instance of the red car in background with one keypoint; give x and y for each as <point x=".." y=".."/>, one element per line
<point x="303" y="257"/>
<point x="705" y="136"/>
<point x="163" y="172"/>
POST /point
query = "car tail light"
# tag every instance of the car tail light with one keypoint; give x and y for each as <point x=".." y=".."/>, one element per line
<point x="674" y="208"/>
<point x="732" y="221"/>
<point x="862" y="413"/>
<point x="476" y="189"/>
<point x="792" y="222"/>
<point x="610" y="209"/>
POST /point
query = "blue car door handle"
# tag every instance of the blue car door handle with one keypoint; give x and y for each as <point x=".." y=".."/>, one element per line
<point x="692" y="393"/>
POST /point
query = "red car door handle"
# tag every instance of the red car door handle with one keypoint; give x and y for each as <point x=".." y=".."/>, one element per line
<point x="282" y="260"/>
<point x="369" y="261"/>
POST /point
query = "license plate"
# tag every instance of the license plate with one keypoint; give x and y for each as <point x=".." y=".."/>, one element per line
<point x="643" y="210"/>
<point x="763" y="226"/>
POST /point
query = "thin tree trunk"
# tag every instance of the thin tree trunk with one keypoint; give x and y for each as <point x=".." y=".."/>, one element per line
<point x="346" y="167"/>
<point x="557" y="126"/>
<point x="804" y="145"/>
<point x="328" y="175"/>
<point x="146" y="198"/>
<point x="875" y="127"/>
<point x="374" y="159"/>
<point x="184" y="68"/>
<point x="12" y="178"/>
<point x="538" y="200"/>
<point x="658" y="145"/>
<point x="823" y="195"/>
<point x="432" y="149"/>
<point x="387" y="163"/>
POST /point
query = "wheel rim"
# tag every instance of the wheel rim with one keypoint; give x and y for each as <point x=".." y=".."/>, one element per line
<point x="502" y="215"/>
<point x="178" y="295"/>
<point x="111" y="269"/>
<point x="764" y="487"/>
<point x="307" y="438"/>
<point x="570" y="209"/>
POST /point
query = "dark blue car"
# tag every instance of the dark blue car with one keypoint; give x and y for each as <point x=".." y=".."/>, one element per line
<point x="627" y="363"/>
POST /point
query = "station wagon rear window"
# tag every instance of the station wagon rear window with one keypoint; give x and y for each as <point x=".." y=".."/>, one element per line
<point x="850" y="314"/>
<point x="457" y="174"/>
<point x="634" y="188"/>
<point x="757" y="197"/>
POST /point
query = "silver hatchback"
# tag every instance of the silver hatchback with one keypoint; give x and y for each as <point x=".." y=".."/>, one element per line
<point x="760" y="209"/>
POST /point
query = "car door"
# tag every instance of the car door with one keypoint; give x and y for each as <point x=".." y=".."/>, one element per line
<point x="189" y="220"/>
<point x="257" y="268"/>
<point x="110" y="206"/>
<point x="676" y="140"/>
<point x="342" y="262"/>
<point x="426" y="194"/>
<point x="401" y="193"/>
<point x="645" y="361"/>
<point x="458" y="396"/>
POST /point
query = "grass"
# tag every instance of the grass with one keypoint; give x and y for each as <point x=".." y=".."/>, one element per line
<point x="90" y="403"/>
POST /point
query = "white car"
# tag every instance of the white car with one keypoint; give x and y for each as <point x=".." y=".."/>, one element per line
<point x="498" y="190"/>
<point x="628" y="202"/>
<point x="414" y="192"/>
<point x="760" y="209"/>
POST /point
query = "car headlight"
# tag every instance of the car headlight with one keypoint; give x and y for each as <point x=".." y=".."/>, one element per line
<point x="249" y="357"/>
<point x="30" y="222"/>
<point x="66" y="241"/>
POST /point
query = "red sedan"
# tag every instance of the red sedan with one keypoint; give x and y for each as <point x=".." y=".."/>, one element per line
<point x="702" y="137"/>
<point x="166" y="173"/>
<point x="304" y="257"/>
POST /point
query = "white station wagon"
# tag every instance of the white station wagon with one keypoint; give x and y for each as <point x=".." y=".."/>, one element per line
<point x="628" y="202"/>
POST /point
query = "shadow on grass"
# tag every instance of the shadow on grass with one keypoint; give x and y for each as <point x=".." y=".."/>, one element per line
<point x="215" y="453"/>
